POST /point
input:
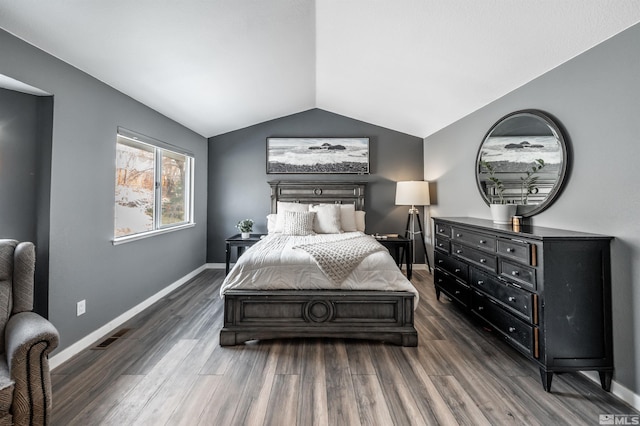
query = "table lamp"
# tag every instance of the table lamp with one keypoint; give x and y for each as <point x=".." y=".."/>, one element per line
<point x="414" y="193"/>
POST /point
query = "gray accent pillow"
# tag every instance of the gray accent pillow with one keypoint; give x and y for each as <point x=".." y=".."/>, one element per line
<point x="298" y="223"/>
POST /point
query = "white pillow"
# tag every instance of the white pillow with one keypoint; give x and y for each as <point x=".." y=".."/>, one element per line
<point x="360" y="220"/>
<point x="298" y="223"/>
<point x="348" y="217"/>
<point x="327" y="220"/>
<point x="271" y="223"/>
<point x="288" y="207"/>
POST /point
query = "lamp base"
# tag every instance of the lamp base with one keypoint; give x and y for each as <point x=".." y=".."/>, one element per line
<point x="410" y="232"/>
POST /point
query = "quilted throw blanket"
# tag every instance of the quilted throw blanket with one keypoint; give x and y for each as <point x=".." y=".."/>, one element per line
<point x="337" y="259"/>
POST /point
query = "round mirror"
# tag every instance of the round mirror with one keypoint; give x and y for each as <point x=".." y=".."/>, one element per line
<point x="523" y="161"/>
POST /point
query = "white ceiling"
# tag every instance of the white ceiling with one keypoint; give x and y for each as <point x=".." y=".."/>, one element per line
<point x="410" y="65"/>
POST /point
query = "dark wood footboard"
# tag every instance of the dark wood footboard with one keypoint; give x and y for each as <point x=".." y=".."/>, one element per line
<point x="373" y="315"/>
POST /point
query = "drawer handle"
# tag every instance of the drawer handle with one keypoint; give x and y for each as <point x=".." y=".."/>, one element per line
<point x="515" y="273"/>
<point x="457" y="270"/>
<point x="440" y="261"/>
<point x="458" y="251"/>
<point x="483" y="260"/>
<point x="439" y="280"/>
<point x="480" y="308"/>
<point x="512" y="329"/>
<point x="509" y="249"/>
<point x="457" y="292"/>
<point x="483" y="242"/>
<point x="440" y="244"/>
<point x="480" y="282"/>
<point x="512" y="299"/>
<point x="458" y="235"/>
<point x="441" y="230"/>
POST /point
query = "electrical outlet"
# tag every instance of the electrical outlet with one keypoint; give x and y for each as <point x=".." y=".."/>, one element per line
<point x="81" y="307"/>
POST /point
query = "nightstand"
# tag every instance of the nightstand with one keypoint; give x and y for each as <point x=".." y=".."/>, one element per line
<point x="240" y="244"/>
<point x="399" y="247"/>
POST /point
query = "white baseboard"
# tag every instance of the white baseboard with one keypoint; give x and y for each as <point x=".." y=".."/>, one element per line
<point x="82" y="344"/>
<point x="622" y="392"/>
<point x="217" y="265"/>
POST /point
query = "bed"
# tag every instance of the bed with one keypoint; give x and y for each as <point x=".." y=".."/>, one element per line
<point x="265" y="299"/>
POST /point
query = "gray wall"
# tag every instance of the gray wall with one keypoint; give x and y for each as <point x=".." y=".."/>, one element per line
<point x="83" y="262"/>
<point x="596" y="98"/>
<point x="25" y="178"/>
<point x="18" y="165"/>
<point x="44" y="139"/>
<point x="238" y="186"/>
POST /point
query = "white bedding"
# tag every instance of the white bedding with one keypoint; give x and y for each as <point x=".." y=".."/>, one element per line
<point x="273" y="264"/>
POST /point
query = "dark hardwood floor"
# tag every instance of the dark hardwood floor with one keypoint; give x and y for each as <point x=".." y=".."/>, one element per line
<point x="169" y="369"/>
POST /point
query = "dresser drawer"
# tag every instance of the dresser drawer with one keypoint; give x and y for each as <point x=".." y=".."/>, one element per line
<point x="442" y="244"/>
<point x="478" y="257"/>
<point x="519" y="333"/>
<point x="454" y="288"/>
<point x="517" y="250"/>
<point x="453" y="266"/>
<point x="444" y="230"/>
<point x="475" y="239"/>
<point x="519" y="274"/>
<point x="518" y="301"/>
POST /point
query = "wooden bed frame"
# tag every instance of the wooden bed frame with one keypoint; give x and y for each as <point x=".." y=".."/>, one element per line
<point x="273" y="314"/>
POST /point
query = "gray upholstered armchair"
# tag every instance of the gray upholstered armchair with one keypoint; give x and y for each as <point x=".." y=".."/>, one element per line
<point x="26" y="340"/>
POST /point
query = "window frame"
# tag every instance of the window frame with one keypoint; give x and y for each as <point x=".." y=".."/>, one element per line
<point x="158" y="148"/>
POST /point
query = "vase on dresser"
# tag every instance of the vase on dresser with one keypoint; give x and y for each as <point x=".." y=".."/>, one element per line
<point x="502" y="213"/>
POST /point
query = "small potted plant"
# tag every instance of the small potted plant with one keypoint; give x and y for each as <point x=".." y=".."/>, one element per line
<point x="245" y="226"/>
<point x="528" y="181"/>
<point x="500" y="211"/>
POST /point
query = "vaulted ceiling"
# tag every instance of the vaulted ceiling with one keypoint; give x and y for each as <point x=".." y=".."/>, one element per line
<point x="410" y="65"/>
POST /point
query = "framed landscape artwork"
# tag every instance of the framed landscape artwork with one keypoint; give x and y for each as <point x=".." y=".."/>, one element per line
<point x="317" y="155"/>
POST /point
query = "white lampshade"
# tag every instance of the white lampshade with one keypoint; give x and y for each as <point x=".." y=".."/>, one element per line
<point x="412" y="193"/>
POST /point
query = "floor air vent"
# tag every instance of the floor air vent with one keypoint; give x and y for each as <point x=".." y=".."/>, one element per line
<point x="109" y="340"/>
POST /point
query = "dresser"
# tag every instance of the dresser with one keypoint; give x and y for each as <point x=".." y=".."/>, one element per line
<point x="546" y="292"/>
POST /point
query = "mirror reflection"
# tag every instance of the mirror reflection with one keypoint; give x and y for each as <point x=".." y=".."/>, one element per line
<point x="522" y="160"/>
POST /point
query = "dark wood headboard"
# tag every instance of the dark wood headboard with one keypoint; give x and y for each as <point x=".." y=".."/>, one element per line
<point x="316" y="192"/>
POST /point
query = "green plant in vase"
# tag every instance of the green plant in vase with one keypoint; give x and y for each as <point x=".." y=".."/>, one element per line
<point x="497" y="183"/>
<point x="245" y="226"/>
<point x="500" y="210"/>
<point x="528" y="181"/>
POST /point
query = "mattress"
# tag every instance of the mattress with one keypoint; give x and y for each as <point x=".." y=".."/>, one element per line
<point x="277" y="262"/>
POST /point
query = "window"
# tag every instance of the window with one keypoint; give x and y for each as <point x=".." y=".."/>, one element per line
<point x="154" y="187"/>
